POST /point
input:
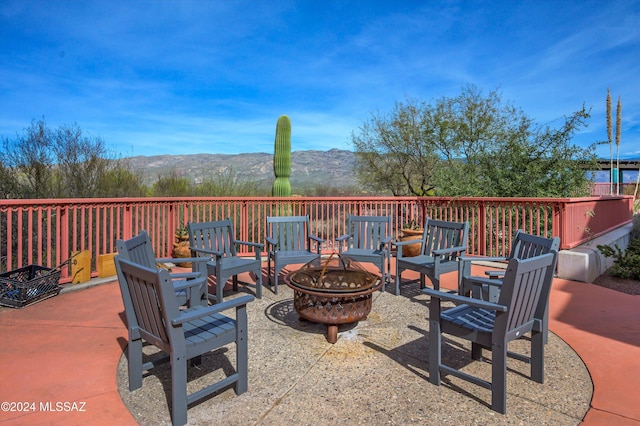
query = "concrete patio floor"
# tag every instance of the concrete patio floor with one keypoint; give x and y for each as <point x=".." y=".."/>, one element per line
<point x="61" y="363"/>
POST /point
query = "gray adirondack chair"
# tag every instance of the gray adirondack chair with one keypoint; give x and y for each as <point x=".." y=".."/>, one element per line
<point x="216" y="242"/>
<point x="524" y="246"/>
<point x="139" y="250"/>
<point x="289" y="241"/>
<point x="368" y="240"/>
<point x="526" y="284"/>
<point x="153" y="315"/>
<point x="442" y="243"/>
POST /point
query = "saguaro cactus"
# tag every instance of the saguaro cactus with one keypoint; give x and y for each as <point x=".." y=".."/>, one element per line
<point x="282" y="158"/>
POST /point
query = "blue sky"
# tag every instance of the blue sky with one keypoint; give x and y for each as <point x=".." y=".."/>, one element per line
<point x="188" y="77"/>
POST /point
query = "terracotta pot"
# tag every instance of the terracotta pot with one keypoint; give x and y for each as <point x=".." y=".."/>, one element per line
<point x="181" y="249"/>
<point x="411" y="250"/>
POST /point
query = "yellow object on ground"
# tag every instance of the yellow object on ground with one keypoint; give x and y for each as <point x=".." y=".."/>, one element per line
<point x="106" y="266"/>
<point x="80" y="266"/>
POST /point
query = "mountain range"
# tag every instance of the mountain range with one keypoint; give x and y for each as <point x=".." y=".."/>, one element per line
<point x="333" y="168"/>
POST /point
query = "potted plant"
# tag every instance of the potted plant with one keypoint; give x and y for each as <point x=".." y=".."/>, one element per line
<point x="181" y="245"/>
<point x="411" y="231"/>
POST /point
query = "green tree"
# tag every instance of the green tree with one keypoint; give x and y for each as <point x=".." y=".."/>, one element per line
<point x="62" y="163"/>
<point x="170" y="184"/>
<point x="470" y="145"/>
<point x="226" y="183"/>
<point x="81" y="161"/>
<point x="392" y="153"/>
<point x="122" y="181"/>
<point x="8" y="189"/>
<point x="30" y="161"/>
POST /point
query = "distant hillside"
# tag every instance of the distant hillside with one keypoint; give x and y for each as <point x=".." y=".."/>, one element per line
<point x="332" y="168"/>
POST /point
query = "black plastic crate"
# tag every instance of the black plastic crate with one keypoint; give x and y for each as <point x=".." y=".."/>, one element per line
<point x="27" y="285"/>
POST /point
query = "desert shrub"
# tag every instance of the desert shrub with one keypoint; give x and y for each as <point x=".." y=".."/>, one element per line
<point x="626" y="263"/>
<point x="635" y="230"/>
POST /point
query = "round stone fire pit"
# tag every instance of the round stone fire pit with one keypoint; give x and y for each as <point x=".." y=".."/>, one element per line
<point x="332" y="293"/>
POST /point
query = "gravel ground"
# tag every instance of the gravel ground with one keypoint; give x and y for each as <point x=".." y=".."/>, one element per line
<point x="377" y="373"/>
<point x="618" y="284"/>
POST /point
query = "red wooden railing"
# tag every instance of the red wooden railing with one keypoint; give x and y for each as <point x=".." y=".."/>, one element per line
<point x="47" y="232"/>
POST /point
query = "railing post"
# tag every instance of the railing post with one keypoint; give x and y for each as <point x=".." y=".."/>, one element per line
<point x="244" y="222"/>
<point x="63" y="238"/>
<point x="127" y="223"/>
<point x="10" y="237"/>
<point x="482" y="228"/>
<point x="557" y="223"/>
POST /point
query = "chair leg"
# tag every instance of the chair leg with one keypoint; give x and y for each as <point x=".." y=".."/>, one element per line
<point x="435" y="342"/>
<point x="385" y="277"/>
<point x="259" y="283"/>
<point x="545" y="323"/>
<point x="398" y="278"/>
<point x="178" y="389"/>
<point x="134" y="350"/>
<point x="388" y="273"/>
<point x="235" y="283"/>
<point x="537" y="356"/>
<point x="476" y="351"/>
<point x="276" y="276"/>
<point x="435" y="281"/>
<point x="220" y="287"/>
<point x="242" y="351"/>
<point x="499" y="377"/>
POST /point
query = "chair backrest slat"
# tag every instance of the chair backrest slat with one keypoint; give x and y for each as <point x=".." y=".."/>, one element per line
<point x="137" y="249"/>
<point x="440" y="234"/>
<point x="216" y="236"/>
<point x="367" y="232"/>
<point x="291" y="232"/>
<point x="526" y="281"/>
<point x="527" y="245"/>
<point x="153" y="300"/>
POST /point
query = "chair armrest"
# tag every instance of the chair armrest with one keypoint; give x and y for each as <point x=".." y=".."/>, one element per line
<point x="488" y="281"/>
<point x="185" y="275"/>
<point x="184" y="284"/>
<point x="406" y="242"/>
<point x="249" y="243"/>
<point x="341" y="238"/>
<point x="316" y="238"/>
<point x="386" y="240"/>
<point x="271" y="241"/>
<point x="467" y="258"/>
<point x="495" y="274"/>
<point x="181" y="259"/>
<point x="460" y="300"/>
<point x="199" y="311"/>
<point x="206" y="251"/>
<point x="440" y="252"/>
